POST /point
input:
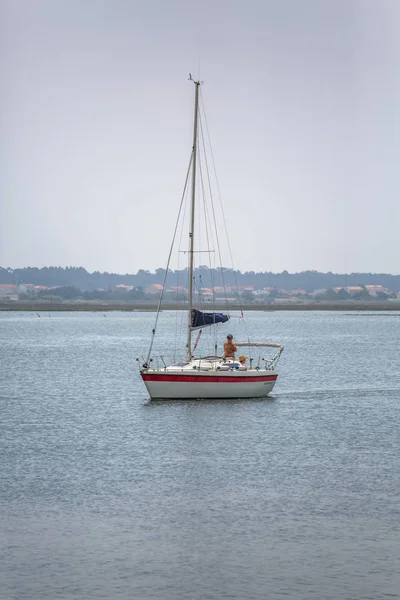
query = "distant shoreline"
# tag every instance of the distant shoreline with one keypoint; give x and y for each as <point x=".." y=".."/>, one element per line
<point x="147" y="307"/>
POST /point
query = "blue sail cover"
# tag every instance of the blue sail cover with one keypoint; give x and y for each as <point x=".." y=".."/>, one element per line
<point x="202" y="319"/>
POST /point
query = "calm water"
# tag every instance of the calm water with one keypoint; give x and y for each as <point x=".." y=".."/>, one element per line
<point x="106" y="496"/>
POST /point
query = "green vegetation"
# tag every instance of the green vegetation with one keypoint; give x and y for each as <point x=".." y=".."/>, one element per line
<point x="80" y="278"/>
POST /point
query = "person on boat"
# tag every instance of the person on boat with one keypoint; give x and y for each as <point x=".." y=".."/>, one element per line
<point x="229" y="347"/>
<point x="242" y="361"/>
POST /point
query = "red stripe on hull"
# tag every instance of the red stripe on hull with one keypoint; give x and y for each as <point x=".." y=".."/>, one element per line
<point x="208" y="379"/>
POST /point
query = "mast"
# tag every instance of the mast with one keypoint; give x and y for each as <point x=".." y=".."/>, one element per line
<point x="192" y="213"/>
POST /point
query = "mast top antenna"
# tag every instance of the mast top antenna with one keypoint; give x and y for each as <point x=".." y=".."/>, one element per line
<point x="190" y="78"/>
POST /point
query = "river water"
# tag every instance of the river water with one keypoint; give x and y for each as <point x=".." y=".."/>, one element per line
<point x="105" y="495"/>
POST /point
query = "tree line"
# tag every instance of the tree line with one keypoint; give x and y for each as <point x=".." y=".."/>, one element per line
<point x="80" y="278"/>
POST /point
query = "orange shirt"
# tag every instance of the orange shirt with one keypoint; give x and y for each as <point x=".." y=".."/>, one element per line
<point x="229" y="350"/>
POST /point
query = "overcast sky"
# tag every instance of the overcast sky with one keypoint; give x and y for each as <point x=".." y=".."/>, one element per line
<point x="303" y="106"/>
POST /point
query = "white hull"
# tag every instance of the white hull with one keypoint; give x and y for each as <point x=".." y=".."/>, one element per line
<point x="251" y="384"/>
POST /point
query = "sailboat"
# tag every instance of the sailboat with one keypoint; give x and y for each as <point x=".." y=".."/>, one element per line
<point x="212" y="376"/>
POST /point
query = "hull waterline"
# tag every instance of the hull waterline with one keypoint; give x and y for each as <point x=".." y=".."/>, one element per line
<point x="193" y="387"/>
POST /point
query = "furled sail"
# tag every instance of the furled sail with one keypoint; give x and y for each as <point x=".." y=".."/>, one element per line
<point x="203" y="319"/>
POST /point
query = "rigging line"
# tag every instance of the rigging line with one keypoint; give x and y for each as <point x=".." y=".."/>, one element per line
<point x="209" y="234"/>
<point x="197" y="288"/>
<point x="182" y="314"/>
<point x="217" y="181"/>
<point x="176" y="311"/>
<point x="208" y="229"/>
<point x="198" y="205"/>
<point x="169" y="260"/>
<point x="214" y="216"/>
<point x="201" y="288"/>
<point x="222" y="210"/>
<point x="178" y="276"/>
<point x="207" y="222"/>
